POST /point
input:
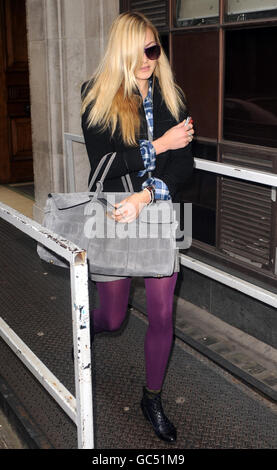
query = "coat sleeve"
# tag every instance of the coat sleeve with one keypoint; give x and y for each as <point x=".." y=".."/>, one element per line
<point x="99" y="143"/>
<point x="179" y="166"/>
<point x="178" y="169"/>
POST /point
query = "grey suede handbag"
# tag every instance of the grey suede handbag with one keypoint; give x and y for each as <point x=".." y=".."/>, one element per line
<point x="144" y="247"/>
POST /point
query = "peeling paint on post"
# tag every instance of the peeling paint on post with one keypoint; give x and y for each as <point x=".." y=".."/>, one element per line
<point x="82" y="352"/>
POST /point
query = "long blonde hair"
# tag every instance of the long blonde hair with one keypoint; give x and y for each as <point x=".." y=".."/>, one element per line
<point x="112" y="88"/>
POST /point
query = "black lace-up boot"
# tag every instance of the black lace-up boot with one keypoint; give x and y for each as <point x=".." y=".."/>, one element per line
<point x="152" y="409"/>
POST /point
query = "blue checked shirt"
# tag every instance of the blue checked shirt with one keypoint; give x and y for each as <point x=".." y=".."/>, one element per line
<point x="148" y="152"/>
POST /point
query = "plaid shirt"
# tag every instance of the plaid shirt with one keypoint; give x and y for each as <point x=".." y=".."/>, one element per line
<point x="148" y="152"/>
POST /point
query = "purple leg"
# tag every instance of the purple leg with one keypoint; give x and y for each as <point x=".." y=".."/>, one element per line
<point x="109" y="316"/>
<point x="158" y="340"/>
<point x="113" y="297"/>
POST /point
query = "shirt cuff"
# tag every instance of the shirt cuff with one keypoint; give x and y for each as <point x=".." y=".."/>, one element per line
<point x="161" y="189"/>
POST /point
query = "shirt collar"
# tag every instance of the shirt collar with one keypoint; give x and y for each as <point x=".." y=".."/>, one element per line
<point x="149" y="94"/>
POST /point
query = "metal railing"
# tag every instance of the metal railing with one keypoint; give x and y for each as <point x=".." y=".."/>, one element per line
<point x="247" y="174"/>
<point x="79" y="409"/>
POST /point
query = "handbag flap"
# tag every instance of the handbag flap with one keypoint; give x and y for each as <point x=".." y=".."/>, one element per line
<point x="67" y="200"/>
<point x="159" y="212"/>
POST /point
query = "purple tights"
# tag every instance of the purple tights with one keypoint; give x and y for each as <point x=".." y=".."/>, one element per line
<point x="114" y="295"/>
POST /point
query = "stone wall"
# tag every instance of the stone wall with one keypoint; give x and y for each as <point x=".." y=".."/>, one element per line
<point x="66" y="39"/>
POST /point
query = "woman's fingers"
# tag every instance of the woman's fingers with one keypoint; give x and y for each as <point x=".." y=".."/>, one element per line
<point x="119" y="215"/>
<point x="128" y="209"/>
<point x="190" y="133"/>
<point x="188" y="130"/>
<point x="119" y="210"/>
<point x="124" y="211"/>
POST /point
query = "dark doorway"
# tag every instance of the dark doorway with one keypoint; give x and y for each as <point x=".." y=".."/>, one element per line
<point x="16" y="162"/>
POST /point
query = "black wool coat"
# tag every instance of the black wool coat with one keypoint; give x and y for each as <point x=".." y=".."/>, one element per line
<point x="174" y="167"/>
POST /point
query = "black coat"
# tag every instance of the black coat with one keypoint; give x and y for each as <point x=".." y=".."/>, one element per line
<point x="174" y="167"/>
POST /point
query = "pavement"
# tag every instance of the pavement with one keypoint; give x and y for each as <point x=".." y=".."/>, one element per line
<point x="9" y="436"/>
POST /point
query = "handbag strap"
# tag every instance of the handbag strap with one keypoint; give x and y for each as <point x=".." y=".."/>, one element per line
<point x="126" y="180"/>
<point x="126" y="189"/>
<point x="127" y="183"/>
<point x="99" y="166"/>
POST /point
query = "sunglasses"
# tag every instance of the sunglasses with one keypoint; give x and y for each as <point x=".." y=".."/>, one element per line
<point x="153" y="52"/>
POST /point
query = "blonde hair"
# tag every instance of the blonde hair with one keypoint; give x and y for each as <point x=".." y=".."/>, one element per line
<point x="112" y="88"/>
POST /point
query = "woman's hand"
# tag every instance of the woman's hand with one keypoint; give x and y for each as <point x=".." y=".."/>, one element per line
<point x="130" y="208"/>
<point x="177" y="137"/>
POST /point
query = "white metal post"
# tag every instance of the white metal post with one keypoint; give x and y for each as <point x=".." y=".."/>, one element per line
<point x="82" y="350"/>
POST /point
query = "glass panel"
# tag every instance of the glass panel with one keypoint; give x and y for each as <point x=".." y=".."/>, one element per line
<point x="250" y="105"/>
<point x="191" y="12"/>
<point x="245" y="6"/>
<point x="201" y="190"/>
<point x="206" y="150"/>
<point x="240" y="10"/>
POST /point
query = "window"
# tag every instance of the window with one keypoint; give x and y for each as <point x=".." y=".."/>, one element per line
<point x="195" y="63"/>
<point x="250" y="101"/>
<point x="239" y="10"/>
<point x="191" y="12"/>
<point x="201" y="191"/>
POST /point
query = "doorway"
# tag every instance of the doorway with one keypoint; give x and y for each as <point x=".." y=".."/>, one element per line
<point x="16" y="159"/>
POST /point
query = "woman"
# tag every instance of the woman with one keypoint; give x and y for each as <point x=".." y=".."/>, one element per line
<point x="132" y="106"/>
